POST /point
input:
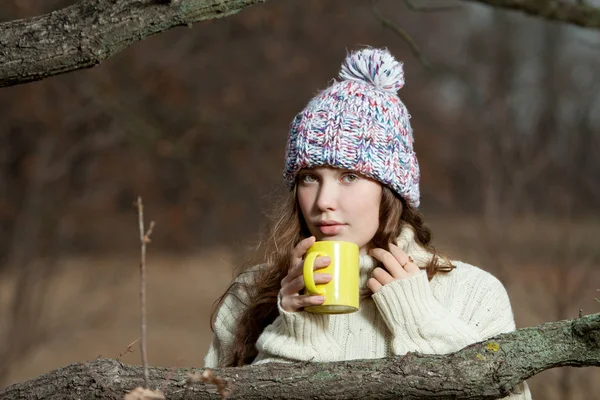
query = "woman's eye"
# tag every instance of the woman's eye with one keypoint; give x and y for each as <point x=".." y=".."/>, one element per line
<point x="349" y="178"/>
<point x="308" y="178"/>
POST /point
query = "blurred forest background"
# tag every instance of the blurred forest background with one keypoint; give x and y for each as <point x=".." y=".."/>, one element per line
<point x="507" y="130"/>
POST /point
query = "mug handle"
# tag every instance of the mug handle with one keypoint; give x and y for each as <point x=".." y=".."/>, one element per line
<point x="309" y="278"/>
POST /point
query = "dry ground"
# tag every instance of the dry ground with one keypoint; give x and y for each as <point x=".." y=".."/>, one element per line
<point x="95" y="311"/>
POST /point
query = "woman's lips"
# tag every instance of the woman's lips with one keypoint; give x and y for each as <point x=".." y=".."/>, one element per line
<point x="331" y="229"/>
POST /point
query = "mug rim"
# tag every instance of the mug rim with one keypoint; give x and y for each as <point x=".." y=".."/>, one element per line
<point x="335" y="242"/>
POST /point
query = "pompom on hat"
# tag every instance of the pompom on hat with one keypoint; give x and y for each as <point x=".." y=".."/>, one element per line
<point x="359" y="123"/>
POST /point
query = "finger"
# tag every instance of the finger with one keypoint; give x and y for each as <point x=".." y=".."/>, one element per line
<point x="399" y="254"/>
<point x="322" y="262"/>
<point x="412" y="268"/>
<point x="294" y="272"/>
<point x="301" y="248"/>
<point x="390" y="262"/>
<point x="293" y="286"/>
<point x="296" y="285"/>
<point x="382" y="276"/>
<point x="374" y="285"/>
<point x="322" y="278"/>
<point x="308" y="300"/>
<point x="298" y="269"/>
<point x="295" y="303"/>
<point x="296" y="262"/>
<point x="404" y="259"/>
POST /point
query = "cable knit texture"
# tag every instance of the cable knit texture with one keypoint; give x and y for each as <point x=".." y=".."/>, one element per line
<point x="359" y="123"/>
<point x="452" y="311"/>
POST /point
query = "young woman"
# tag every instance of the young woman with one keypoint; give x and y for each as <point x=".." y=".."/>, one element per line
<point x="353" y="176"/>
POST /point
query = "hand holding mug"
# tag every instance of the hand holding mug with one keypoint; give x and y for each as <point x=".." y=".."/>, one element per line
<point x="341" y="293"/>
<point x="293" y="283"/>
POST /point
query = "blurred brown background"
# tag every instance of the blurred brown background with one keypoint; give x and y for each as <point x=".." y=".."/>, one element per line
<point x="507" y="130"/>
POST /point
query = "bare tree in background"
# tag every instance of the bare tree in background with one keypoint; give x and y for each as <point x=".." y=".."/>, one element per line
<point x="54" y="178"/>
<point x="158" y="100"/>
<point x="530" y="175"/>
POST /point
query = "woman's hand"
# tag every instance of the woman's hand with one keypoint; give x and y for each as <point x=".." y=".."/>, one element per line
<point x="293" y="283"/>
<point x="399" y="265"/>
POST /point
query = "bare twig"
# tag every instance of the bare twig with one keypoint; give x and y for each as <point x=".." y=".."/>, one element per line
<point x="144" y="239"/>
<point x="429" y="8"/>
<point x="128" y="349"/>
<point x="209" y="377"/>
<point x="400" y="32"/>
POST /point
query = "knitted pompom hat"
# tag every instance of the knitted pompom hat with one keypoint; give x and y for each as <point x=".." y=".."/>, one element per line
<point x="359" y="123"/>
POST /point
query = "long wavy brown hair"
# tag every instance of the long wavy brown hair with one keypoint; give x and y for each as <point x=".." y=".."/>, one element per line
<point x="286" y="229"/>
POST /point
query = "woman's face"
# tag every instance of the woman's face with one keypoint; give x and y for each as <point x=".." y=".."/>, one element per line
<point x="339" y="204"/>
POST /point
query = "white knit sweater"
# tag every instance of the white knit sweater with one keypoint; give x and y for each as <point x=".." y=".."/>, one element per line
<point x="454" y="310"/>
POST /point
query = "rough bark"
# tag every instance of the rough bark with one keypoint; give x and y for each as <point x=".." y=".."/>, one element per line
<point x="485" y="370"/>
<point x="85" y="34"/>
<point x="567" y="11"/>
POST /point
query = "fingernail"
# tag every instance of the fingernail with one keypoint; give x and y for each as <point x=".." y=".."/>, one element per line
<point x="327" y="276"/>
<point x="320" y="299"/>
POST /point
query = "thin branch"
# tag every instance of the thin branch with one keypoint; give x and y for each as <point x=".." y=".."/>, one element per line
<point x="144" y="239"/>
<point x="128" y="349"/>
<point x="429" y="8"/>
<point x="398" y="30"/>
<point x="577" y="13"/>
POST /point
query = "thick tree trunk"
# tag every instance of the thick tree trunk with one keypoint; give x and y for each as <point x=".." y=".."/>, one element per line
<point x="485" y="370"/>
<point x="85" y="34"/>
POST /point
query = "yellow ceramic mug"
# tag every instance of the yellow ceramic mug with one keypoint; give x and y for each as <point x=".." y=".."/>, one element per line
<point x="342" y="291"/>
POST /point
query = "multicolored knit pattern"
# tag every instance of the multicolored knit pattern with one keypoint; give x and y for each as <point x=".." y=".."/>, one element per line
<point x="359" y="123"/>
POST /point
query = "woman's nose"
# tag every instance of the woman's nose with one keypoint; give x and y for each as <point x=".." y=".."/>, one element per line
<point x="327" y="197"/>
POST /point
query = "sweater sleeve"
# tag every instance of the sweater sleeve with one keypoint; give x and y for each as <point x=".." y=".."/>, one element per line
<point x="226" y="320"/>
<point x="297" y="336"/>
<point x="420" y="323"/>
<point x="224" y="331"/>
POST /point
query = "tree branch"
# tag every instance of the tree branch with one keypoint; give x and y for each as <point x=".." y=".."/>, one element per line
<point x="404" y="35"/>
<point x="486" y="370"/>
<point x="577" y="13"/>
<point x="87" y="33"/>
<point x="144" y="240"/>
